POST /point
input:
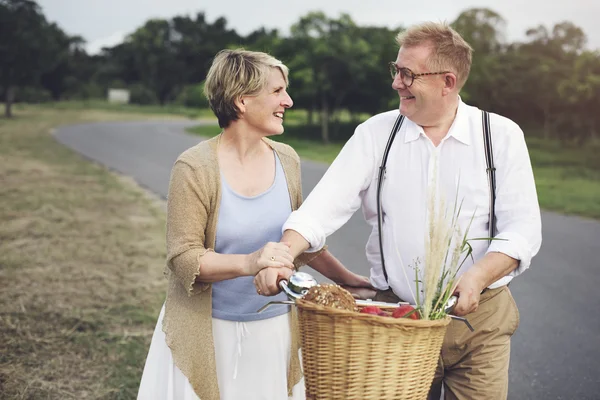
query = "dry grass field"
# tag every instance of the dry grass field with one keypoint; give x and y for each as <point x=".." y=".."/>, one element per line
<point x="81" y="259"/>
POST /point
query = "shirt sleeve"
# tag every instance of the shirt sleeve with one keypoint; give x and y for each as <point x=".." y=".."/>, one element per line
<point x="187" y="213"/>
<point x="307" y="257"/>
<point x="518" y="219"/>
<point x="338" y="194"/>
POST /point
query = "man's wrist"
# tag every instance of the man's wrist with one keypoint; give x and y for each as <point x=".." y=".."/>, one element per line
<point x="479" y="276"/>
<point x="296" y="242"/>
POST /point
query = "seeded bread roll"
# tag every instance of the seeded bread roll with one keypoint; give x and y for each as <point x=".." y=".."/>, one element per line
<point x="329" y="295"/>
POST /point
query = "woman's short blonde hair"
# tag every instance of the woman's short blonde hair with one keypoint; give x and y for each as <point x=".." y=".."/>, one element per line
<point x="449" y="50"/>
<point x="237" y="73"/>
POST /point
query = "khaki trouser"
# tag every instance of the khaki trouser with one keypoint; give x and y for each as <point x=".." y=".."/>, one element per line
<point x="474" y="365"/>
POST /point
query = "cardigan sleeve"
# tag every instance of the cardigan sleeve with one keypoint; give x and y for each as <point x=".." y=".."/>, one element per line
<point x="187" y="214"/>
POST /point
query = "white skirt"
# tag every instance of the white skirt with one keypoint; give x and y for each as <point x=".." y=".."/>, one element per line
<point x="252" y="363"/>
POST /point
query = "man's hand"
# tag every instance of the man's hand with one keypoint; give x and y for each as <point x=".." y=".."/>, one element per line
<point x="483" y="273"/>
<point x="332" y="268"/>
<point x="361" y="293"/>
<point x="354" y="280"/>
<point x="359" y="286"/>
<point x="266" y="281"/>
<point x="468" y="291"/>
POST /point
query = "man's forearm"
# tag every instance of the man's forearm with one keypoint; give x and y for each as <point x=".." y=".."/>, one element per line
<point x="296" y="242"/>
<point x="329" y="266"/>
<point x="492" y="267"/>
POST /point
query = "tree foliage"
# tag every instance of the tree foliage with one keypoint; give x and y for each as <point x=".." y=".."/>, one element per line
<point x="549" y="82"/>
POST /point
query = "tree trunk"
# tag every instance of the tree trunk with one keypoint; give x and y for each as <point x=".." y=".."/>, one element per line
<point x="325" y="120"/>
<point x="9" y="99"/>
<point x="310" y="118"/>
<point x="546" y="122"/>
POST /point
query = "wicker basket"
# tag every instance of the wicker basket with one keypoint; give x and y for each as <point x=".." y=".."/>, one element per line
<point x="348" y="355"/>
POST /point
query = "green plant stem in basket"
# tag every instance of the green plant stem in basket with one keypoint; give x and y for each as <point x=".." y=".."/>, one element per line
<point x="447" y="248"/>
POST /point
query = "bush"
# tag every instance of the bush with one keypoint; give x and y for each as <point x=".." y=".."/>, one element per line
<point x="31" y="94"/>
<point x="140" y="94"/>
<point x="88" y="91"/>
<point x="193" y="96"/>
<point x="339" y="132"/>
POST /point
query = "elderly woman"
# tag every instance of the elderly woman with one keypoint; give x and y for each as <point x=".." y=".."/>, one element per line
<point x="228" y="199"/>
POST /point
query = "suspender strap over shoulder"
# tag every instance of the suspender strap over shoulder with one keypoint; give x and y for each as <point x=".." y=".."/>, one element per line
<point x="386" y="153"/>
<point x="490" y="170"/>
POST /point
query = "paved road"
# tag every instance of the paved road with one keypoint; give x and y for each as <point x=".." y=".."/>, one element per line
<point x="556" y="351"/>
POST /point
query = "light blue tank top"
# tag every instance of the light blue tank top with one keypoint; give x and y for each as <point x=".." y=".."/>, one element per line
<point x="246" y="224"/>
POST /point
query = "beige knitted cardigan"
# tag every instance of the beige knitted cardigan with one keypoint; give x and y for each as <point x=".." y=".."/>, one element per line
<point x="192" y="212"/>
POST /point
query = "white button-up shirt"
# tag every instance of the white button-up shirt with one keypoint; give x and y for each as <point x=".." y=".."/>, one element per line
<point x="413" y="163"/>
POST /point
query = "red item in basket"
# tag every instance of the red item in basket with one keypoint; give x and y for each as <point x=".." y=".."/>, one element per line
<point x="403" y="310"/>
<point x="373" y="310"/>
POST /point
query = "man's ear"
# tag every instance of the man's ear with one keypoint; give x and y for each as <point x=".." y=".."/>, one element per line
<point x="450" y="83"/>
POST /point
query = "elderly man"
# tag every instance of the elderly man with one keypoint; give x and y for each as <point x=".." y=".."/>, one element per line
<point x="442" y="142"/>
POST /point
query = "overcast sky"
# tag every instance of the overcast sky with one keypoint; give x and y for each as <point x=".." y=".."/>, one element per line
<point x="107" y="22"/>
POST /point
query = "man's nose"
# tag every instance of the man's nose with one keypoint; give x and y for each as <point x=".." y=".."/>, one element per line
<point x="397" y="83"/>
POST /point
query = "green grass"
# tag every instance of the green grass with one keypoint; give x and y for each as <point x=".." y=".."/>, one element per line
<point x="304" y="138"/>
<point x="309" y="149"/>
<point x="567" y="177"/>
<point x="169" y="109"/>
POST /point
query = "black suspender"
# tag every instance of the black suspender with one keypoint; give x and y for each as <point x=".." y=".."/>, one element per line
<point x="395" y="130"/>
<point x="490" y="169"/>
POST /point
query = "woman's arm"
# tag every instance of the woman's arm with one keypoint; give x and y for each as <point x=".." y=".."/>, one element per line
<point x="216" y="267"/>
<point x="266" y="280"/>
<point x="188" y="257"/>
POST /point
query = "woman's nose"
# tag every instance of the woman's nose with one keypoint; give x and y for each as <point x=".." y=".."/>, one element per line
<point x="287" y="102"/>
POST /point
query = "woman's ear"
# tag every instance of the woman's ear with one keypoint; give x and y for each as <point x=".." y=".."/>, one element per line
<point x="240" y="103"/>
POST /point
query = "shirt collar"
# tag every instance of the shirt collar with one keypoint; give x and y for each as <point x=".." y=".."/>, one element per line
<point x="459" y="129"/>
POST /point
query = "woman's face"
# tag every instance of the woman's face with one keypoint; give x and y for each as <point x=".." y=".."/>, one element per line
<point x="264" y="111"/>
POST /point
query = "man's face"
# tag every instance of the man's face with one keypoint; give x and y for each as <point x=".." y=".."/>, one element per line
<point x="421" y="102"/>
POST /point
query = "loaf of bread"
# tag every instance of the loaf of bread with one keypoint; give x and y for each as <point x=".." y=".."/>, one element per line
<point x="329" y="295"/>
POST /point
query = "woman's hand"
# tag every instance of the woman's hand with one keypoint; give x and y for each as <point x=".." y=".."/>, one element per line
<point x="271" y="254"/>
<point x="267" y="280"/>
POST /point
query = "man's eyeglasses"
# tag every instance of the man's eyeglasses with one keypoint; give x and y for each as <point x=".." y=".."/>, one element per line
<point x="407" y="76"/>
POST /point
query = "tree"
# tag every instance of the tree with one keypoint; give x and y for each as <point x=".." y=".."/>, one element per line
<point x="551" y="56"/>
<point x="581" y="94"/>
<point x="63" y="70"/>
<point x="264" y="40"/>
<point x="330" y="58"/>
<point x="373" y="93"/>
<point x="196" y="41"/>
<point x="155" y="58"/>
<point x="24" y="46"/>
<point x="482" y="28"/>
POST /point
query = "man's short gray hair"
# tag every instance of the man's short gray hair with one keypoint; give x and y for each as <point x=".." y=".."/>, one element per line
<point x="449" y="50"/>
